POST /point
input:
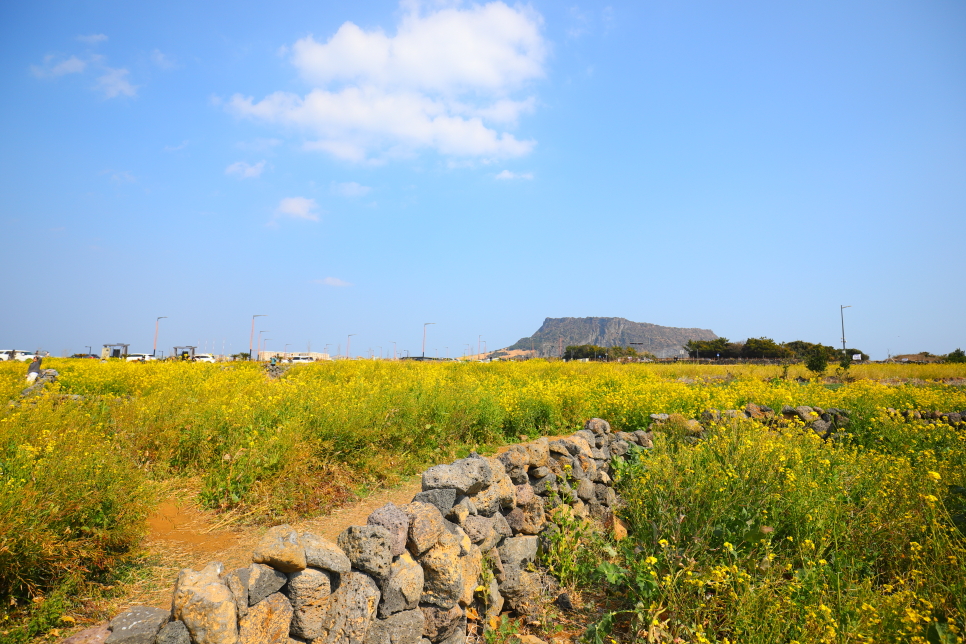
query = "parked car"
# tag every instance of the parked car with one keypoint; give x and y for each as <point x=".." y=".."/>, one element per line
<point x="299" y="359"/>
<point x="204" y="357"/>
<point x="139" y="357"/>
<point x="16" y="354"/>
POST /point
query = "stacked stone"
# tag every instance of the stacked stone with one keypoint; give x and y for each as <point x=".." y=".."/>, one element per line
<point x="823" y="422"/>
<point x="947" y="417"/>
<point x="411" y="573"/>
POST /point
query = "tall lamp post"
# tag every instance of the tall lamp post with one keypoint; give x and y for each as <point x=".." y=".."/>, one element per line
<point x="347" y="343"/>
<point x="394" y="350"/>
<point x="155" y="349"/>
<point x="842" y="315"/>
<point x="260" y="346"/>
<point x="424" y="337"/>
<point x="265" y="343"/>
<point x="251" y="338"/>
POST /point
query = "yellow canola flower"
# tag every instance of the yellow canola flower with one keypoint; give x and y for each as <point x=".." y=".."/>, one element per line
<point x="934" y="475"/>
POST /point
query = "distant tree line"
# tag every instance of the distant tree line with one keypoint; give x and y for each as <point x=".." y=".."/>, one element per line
<point x="759" y="348"/>
<point x="593" y="352"/>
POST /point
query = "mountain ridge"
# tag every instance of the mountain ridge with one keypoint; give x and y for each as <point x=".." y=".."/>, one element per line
<point x="662" y="341"/>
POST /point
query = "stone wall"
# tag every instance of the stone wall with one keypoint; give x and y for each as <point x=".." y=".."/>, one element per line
<point x="465" y="547"/>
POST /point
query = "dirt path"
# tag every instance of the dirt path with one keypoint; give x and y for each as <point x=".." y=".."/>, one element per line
<point x="183" y="535"/>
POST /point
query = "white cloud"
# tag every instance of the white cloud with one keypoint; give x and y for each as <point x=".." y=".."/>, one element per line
<point x="298" y="208"/>
<point x="506" y="175"/>
<point x="245" y="171"/>
<point x="332" y="281"/>
<point x="441" y="82"/>
<point x="72" y="65"/>
<point x="114" y="83"/>
<point x="175" y="148"/>
<point x="92" y="39"/>
<point x="120" y="176"/>
<point x="350" y="189"/>
<point x="162" y="61"/>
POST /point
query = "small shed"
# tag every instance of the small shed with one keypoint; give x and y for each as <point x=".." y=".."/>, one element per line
<point x="184" y="353"/>
<point x="114" y="351"/>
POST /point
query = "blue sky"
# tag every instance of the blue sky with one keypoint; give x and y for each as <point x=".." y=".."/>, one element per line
<point x="364" y="168"/>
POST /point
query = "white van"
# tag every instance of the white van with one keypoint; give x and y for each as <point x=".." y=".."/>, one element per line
<point x="204" y="357"/>
<point x="139" y="357"/>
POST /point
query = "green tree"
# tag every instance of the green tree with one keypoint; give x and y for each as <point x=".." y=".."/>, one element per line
<point x="817" y="360"/>
<point x="956" y="356"/>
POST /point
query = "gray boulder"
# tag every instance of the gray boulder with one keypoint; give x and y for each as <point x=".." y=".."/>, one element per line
<point x="369" y="548"/>
<point x="404" y="586"/>
<point x="323" y="554"/>
<point x="308" y="591"/>
<point x="444" y="499"/>
<point x="597" y="426"/>
<point x="538" y="452"/>
<point x="263" y="581"/>
<point x="173" y="633"/>
<point x="425" y="526"/>
<point x="281" y="549"/>
<point x="206" y="606"/>
<point x="443" y="574"/>
<point x="138" y="625"/>
<point x="351" y="610"/>
<point x="267" y="622"/>
<point x="585" y="491"/>
<point x="501" y="492"/>
<point x="466" y="476"/>
<point x="605" y="494"/>
<point x="237" y="582"/>
<point x="401" y="628"/>
<point x="396" y="522"/>
<point x="441" y="623"/>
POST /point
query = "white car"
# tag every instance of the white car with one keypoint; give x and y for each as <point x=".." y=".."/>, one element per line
<point x="204" y="357"/>
<point x="139" y="357"/>
<point x="16" y="354"/>
<point x="299" y="359"/>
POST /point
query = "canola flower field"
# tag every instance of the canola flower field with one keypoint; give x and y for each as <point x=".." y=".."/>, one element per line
<point x="82" y="464"/>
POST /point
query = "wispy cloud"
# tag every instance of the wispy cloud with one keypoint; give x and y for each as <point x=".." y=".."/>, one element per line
<point x="506" y="175"/>
<point x="298" y="208"/>
<point x="49" y="69"/>
<point x="332" y="281"/>
<point x="175" y="148"/>
<point x="114" y="83"/>
<point x="246" y="171"/>
<point x="350" y="189"/>
<point x="161" y="60"/>
<point x="92" y="39"/>
<point x="120" y="176"/>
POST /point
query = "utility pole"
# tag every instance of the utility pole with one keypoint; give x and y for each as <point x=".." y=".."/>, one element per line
<point x="393" y="350"/>
<point x="842" y="315"/>
<point x="347" y="343"/>
<point x="155" y="349"/>
<point x="479" y="342"/>
<point x="252" y="336"/>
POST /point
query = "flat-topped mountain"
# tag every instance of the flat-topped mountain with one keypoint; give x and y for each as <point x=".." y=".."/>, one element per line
<point x="662" y="341"/>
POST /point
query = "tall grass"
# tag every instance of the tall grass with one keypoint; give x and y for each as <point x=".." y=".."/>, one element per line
<point x="757" y="536"/>
<point x="78" y="462"/>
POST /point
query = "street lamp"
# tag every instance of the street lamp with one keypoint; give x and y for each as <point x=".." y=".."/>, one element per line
<point x="842" y="315"/>
<point x="347" y="342"/>
<point x="479" y="342"/>
<point x="260" y="346"/>
<point x="394" y="350"/>
<point x="380" y="352"/>
<point x="424" y="337"/>
<point x="265" y="343"/>
<point x="285" y="349"/>
<point x="89" y="351"/>
<point x="155" y="349"/>
<point x="251" y="338"/>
